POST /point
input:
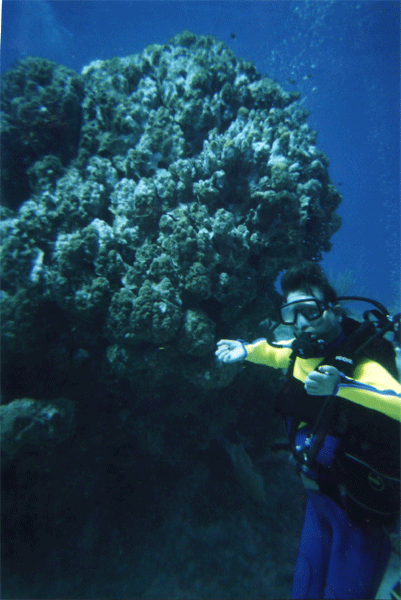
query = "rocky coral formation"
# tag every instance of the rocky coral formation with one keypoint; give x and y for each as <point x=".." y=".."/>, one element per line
<point x="40" y="126"/>
<point x="36" y="423"/>
<point x="162" y="194"/>
<point x="148" y="207"/>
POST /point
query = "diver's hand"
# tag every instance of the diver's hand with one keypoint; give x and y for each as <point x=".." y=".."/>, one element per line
<point x="230" y="351"/>
<point x="323" y="381"/>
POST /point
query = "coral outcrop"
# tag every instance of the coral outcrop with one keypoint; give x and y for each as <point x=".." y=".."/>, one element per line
<point x="156" y="198"/>
<point x="41" y="106"/>
<point x="36" y="423"/>
<point x="148" y="205"/>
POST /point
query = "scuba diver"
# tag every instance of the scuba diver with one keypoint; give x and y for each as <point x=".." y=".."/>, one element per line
<point x="341" y="405"/>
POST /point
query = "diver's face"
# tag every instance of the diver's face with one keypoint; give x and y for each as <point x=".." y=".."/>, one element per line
<point x="326" y="327"/>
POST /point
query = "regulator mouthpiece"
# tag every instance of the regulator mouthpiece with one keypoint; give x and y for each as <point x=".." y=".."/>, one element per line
<point x="305" y="346"/>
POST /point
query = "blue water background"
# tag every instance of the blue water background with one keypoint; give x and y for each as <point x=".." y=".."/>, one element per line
<point x="344" y="57"/>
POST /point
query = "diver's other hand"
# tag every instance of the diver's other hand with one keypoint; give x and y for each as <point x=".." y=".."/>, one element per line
<point x="323" y="381"/>
<point x="230" y="351"/>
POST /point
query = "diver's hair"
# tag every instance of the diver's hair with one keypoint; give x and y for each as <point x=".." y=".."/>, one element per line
<point x="305" y="276"/>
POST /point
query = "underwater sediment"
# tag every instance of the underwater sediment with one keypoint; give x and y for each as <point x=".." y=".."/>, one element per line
<point x="149" y="204"/>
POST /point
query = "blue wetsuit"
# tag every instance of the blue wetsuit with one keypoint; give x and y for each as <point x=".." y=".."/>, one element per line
<point x="337" y="558"/>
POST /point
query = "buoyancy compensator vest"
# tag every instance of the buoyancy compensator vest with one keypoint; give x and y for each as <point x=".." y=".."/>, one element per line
<point x="364" y="476"/>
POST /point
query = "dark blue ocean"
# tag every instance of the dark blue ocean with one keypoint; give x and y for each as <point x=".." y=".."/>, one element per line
<point x="158" y="484"/>
<point x="343" y="56"/>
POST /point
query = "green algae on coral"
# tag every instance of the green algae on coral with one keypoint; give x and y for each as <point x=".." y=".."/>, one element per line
<point x="161" y="195"/>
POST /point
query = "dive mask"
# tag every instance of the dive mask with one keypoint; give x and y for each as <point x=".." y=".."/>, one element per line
<point x="310" y="308"/>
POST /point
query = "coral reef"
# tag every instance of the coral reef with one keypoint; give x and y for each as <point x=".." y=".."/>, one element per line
<point x="149" y="205"/>
<point x="166" y="191"/>
<point x="33" y="422"/>
<point x="40" y="126"/>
